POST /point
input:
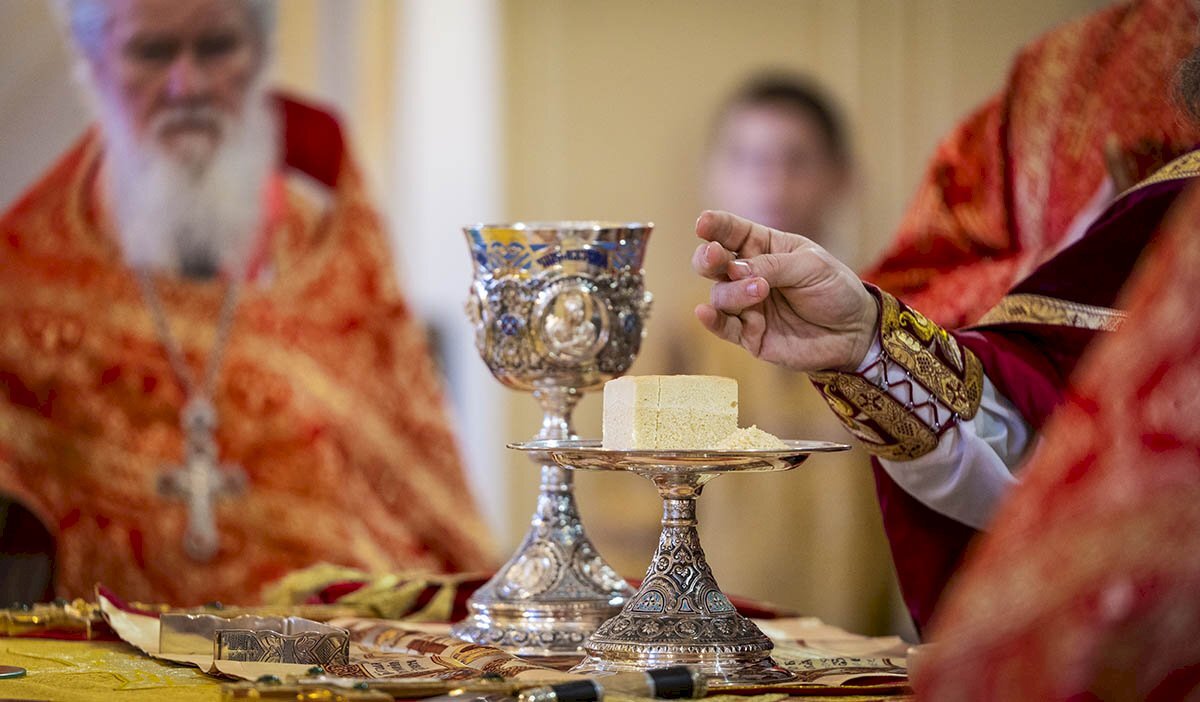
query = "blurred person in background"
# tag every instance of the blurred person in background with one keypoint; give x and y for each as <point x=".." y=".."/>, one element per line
<point x="779" y="151"/>
<point x="210" y="378"/>
<point x="779" y="155"/>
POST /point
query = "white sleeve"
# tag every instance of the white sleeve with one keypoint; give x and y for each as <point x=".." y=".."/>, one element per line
<point x="971" y="469"/>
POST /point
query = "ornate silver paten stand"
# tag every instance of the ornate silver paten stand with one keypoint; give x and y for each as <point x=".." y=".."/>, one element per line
<point x="680" y="616"/>
<point x="558" y="308"/>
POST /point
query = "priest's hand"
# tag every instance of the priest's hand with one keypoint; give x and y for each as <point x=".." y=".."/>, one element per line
<point x="780" y="296"/>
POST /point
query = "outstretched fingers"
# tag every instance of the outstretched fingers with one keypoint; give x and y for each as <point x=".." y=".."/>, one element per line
<point x="711" y="260"/>
<point x="734" y="296"/>
<point x="741" y="236"/>
<point x="801" y="267"/>
<point x="725" y="326"/>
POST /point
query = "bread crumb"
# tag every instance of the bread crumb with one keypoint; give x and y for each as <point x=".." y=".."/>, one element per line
<point x="750" y="438"/>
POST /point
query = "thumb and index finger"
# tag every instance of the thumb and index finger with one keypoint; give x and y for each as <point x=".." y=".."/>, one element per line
<point x="738" y="249"/>
<point x="747" y="261"/>
<point x="728" y="237"/>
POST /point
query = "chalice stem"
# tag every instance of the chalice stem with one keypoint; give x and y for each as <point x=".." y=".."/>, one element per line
<point x="679" y="575"/>
<point x="680" y="616"/>
<point x="558" y="404"/>
<point x="679" y="513"/>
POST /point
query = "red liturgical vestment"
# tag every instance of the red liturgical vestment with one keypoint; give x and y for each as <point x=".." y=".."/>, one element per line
<point x="327" y="397"/>
<point x="1088" y="584"/>
<point x="1004" y="190"/>
<point x="1029" y="346"/>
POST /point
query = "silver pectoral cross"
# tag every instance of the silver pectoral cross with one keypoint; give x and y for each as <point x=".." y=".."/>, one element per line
<point x="201" y="479"/>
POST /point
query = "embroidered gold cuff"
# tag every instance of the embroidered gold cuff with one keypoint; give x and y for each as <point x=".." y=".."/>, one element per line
<point x="929" y="357"/>
<point x="884" y="426"/>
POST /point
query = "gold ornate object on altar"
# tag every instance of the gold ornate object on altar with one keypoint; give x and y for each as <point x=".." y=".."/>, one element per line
<point x="680" y="616"/>
<point x="75" y="617"/>
<point x="558" y="308"/>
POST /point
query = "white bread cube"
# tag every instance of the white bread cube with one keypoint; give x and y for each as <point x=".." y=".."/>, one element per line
<point x="669" y="411"/>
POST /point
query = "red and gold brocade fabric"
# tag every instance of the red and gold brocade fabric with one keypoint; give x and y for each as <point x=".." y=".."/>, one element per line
<point x="1004" y="189"/>
<point x="1030" y="360"/>
<point x="1088" y="586"/>
<point x="327" y="397"/>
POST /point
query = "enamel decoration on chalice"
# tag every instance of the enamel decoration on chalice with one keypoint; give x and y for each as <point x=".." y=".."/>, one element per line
<point x="558" y="308"/>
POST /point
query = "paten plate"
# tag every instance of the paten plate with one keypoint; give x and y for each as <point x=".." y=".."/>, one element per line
<point x="590" y="454"/>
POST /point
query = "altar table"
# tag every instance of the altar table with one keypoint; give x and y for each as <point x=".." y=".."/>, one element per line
<point x="94" y="671"/>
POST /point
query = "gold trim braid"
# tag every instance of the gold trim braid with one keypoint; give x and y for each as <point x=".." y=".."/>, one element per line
<point x="1186" y="166"/>
<point x="930" y="357"/>
<point x="1039" y="309"/>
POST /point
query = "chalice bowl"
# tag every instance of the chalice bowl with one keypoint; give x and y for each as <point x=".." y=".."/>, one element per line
<point x="558" y="308"/>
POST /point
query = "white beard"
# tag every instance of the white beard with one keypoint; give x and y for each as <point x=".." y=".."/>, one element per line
<point x="195" y="213"/>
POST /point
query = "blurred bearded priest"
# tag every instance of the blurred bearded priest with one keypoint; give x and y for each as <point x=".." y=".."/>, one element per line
<point x="208" y="377"/>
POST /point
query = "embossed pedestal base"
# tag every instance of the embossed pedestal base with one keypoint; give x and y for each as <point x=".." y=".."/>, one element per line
<point x="525" y="632"/>
<point x="723" y="644"/>
<point x="554" y="592"/>
<point x="719" y="667"/>
<point x="680" y="616"/>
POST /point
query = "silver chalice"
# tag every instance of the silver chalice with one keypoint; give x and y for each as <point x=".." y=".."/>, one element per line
<point x="558" y="308"/>
<point x="680" y="616"/>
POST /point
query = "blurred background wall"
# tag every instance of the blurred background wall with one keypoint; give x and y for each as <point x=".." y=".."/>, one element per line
<point x="471" y="110"/>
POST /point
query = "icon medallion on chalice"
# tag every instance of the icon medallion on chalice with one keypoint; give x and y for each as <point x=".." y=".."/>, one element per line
<point x="558" y="308"/>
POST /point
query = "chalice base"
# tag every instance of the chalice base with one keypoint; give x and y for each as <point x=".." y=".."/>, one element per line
<point x="554" y="591"/>
<point x="681" y="617"/>
<point x="530" y="632"/>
